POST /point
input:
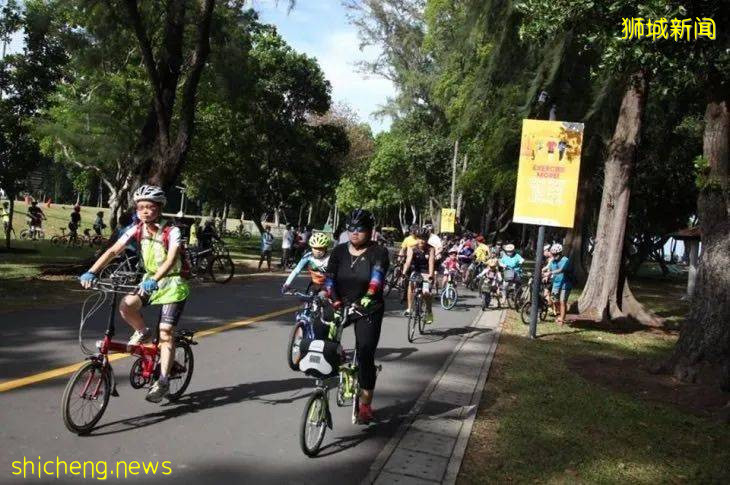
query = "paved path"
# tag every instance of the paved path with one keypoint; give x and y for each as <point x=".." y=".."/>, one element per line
<point x="239" y="419"/>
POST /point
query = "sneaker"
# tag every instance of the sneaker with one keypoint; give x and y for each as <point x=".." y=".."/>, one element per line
<point x="429" y="318"/>
<point x="140" y="337"/>
<point x="364" y="413"/>
<point x="157" y="392"/>
<point x="407" y="313"/>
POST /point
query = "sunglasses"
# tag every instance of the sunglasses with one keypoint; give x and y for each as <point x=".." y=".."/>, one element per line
<point x="357" y="229"/>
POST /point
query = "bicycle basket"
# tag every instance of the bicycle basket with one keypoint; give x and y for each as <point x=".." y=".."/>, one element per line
<point x="509" y="274"/>
<point x="320" y="358"/>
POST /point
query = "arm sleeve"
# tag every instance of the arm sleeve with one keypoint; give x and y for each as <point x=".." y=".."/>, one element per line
<point x="127" y="234"/>
<point x="378" y="272"/>
<point x="175" y="238"/>
<point x="300" y="266"/>
<point x="330" y="272"/>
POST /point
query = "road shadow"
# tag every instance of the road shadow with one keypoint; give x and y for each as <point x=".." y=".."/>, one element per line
<point x="210" y="399"/>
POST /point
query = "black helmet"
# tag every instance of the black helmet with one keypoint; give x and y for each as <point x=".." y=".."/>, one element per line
<point x="360" y="218"/>
<point x="414" y="229"/>
<point x="423" y="233"/>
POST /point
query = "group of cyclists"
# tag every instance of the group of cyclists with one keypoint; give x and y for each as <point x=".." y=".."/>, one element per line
<point x="351" y="273"/>
<point x="35" y="217"/>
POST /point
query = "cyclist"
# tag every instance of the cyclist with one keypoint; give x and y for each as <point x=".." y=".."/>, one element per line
<point x="99" y="225"/>
<point x="35" y="218"/>
<point x="5" y="216"/>
<point x="466" y="256"/>
<point x="162" y="284"/>
<point x="562" y="274"/>
<point x="355" y="274"/>
<point x="421" y="258"/>
<point x="490" y="277"/>
<point x="450" y="265"/>
<point x="410" y="241"/>
<point x="207" y="235"/>
<point x="315" y="261"/>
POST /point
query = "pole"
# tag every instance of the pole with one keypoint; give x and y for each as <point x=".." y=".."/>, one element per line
<point x="453" y="172"/>
<point x="537" y="274"/>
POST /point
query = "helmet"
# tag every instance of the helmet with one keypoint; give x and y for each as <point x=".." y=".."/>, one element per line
<point x="556" y="248"/>
<point x="360" y="218"/>
<point x="509" y="247"/>
<point x="453" y="250"/>
<point x="546" y="247"/>
<point x="428" y="227"/>
<point x="150" y="192"/>
<point x="480" y="239"/>
<point x="77" y="208"/>
<point x="319" y="240"/>
<point x="33" y="202"/>
<point x="492" y="262"/>
<point x="413" y="229"/>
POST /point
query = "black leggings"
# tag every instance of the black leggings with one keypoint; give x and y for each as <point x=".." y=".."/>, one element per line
<point x="367" y="335"/>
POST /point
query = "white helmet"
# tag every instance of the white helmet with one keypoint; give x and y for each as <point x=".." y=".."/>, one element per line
<point x="150" y="192"/>
<point x="509" y="247"/>
<point x="556" y="248"/>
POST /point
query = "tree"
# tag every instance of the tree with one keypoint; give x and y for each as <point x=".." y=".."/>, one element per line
<point x="26" y="80"/>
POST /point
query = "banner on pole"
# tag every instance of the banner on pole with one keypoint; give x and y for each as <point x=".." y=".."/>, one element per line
<point x="547" y="179"/>
<point x="448" y="217"/>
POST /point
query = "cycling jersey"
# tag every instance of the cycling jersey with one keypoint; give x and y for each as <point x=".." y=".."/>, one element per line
<point x="172" y="288"/>
<point x="513" y="262"/>
<point x="482" y="253"/>
<point x="409" y="242"/>
<point x="419" y="260"/>
<point x="316" y="267"/>
<point x="35" y="214"/>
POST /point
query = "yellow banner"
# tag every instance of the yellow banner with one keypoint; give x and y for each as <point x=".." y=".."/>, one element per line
<point x="547" y="179"/>
<point x="448" y="216"/>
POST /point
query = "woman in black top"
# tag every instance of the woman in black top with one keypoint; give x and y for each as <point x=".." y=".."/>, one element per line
<point x="355" y="274"/>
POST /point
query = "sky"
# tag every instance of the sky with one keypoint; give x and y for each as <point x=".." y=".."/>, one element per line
<point x="320" y="29"/>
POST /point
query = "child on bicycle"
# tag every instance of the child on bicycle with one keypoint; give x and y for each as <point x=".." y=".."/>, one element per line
<point x="99" y="225"/>
<point x="491" y="277"/>
<point x="163" y="284"/>
<point x="315" y="261"/>
<point x="450" y="265"/>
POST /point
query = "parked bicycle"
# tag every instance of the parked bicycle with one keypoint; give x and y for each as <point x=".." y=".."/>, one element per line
<point x="543" y="304"/>
<point x="325" y="360"/>
<point x="204" y="262"/>
<point x="64" y="239"/>
<point x="87" y="393"/>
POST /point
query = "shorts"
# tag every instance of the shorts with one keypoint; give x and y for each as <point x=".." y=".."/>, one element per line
<point x="170" y="313"/>
<point x="561" y="293"/>
<point x="425" y="285"/>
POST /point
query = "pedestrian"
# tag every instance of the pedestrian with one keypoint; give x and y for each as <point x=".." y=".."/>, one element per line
<point x="286" y="245"/>
<point x="267" y="243"/>
<point x="562" y="274"/>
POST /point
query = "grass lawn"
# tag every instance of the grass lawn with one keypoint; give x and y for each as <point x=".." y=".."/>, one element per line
<point x="578" y="405"/>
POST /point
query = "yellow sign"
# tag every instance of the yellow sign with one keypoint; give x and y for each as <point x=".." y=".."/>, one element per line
<point x="547" y="179"/>
<point x="448" y="217"/>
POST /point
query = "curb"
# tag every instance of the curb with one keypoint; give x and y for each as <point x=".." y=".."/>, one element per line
<point x="454" y="463"/>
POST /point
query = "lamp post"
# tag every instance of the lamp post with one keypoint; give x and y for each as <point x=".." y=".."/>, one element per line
<point x="181" y="212"/>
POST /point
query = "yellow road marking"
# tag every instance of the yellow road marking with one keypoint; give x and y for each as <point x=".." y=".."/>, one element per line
<point x="68" y="369"/>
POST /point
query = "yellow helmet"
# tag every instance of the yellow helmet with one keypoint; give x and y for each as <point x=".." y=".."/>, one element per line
<point x="492" y="262"/>
<point x="319" y="240"/>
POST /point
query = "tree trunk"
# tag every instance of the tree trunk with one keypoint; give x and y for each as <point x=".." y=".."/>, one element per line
<point x="605" y="295"/>
<point x="705" y="334"/>
<point x="574" y="237"/>
<point x="10" y="225"/>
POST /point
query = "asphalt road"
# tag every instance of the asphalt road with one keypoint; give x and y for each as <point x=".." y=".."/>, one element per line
<point x="239" y="419"/>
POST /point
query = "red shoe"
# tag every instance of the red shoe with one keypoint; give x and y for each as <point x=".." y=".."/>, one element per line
<point x="365" y="413"/>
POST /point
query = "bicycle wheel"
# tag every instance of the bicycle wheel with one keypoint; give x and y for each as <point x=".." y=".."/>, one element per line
<point x="314" y="423"/>
<point x="485" y="301"/>
<point x="246" y="235"/>
<point x="525" y="312"/>
<point x="86" y="397"/>
<point x="24" y="234"/>
<point x="543" y="311"/>
<point x="389" y="282"/>
<point x="411" y="329"/>
<point x="56" y="240"/>
<point x="448" y="297"/>
<point x="292" y="350"/>
<point x="182" y="370"/>
<point x="496" y="301"/>
<point x="420" y="315"/>
<point x="355" y="400"/>
<point x="221" y="269"/>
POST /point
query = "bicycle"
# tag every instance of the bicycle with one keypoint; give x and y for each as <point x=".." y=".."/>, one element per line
<point x="87" y="392"/>
<point x="394" y="279"/>
<point x="490" y="291"/>
<point x="66" y="239"/>
<point x="512" y="287"/>
<point x="242" y="232"/>
<point x="416" y="317"/>
<point x="543" y="305"/>
<point x="317" y="417"/>
<point x="449" y="295"/>
<point x="303" y="327"/>
<point x="33" y="233"/>
<point x="218" y="266"/>
<point x="90" y="240"/>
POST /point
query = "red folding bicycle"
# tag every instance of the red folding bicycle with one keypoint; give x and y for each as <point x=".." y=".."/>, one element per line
<point x="88" y="390"/>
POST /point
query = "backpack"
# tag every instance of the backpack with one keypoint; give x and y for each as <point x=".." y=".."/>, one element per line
<point x="185" y="264"/>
